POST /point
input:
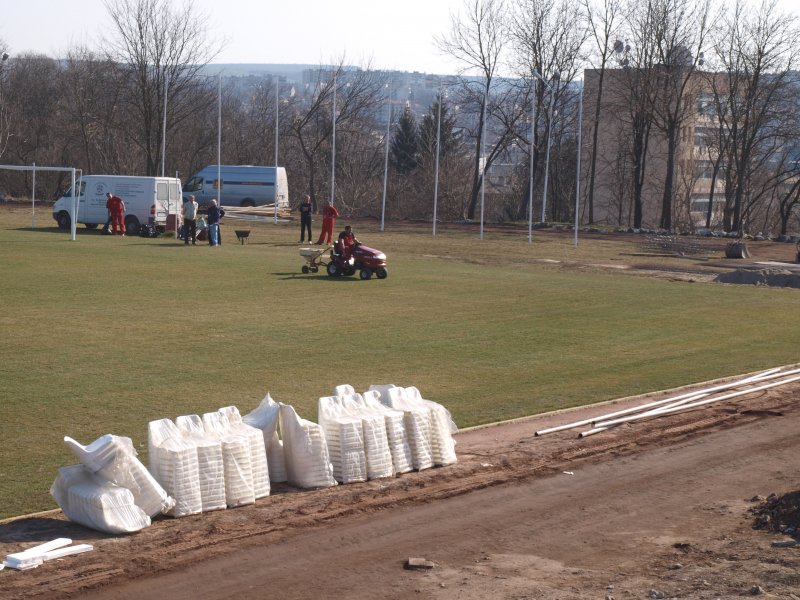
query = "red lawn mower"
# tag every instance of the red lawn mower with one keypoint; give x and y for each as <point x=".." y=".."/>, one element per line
<point x="362" y="258"/>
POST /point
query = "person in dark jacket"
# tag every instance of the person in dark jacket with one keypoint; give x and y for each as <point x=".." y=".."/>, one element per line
<point x="305" y="219"/>
<point x="214" y="214"/>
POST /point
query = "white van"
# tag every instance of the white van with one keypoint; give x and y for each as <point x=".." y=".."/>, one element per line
<point x="148" y="200"/>
<point x="241" y="185"/>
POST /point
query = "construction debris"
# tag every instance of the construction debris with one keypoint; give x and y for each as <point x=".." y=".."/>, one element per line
<point x="34" y="557"/>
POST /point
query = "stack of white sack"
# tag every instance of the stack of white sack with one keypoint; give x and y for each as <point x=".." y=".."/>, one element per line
<point x="96" y="503"/>
<point x="345" y="437"/>
<point x="417" y="421"/>
<point x="308" y="463"/>
<point x="443" y="445"/>
<point x="258" y="450"/>
<point x="113" y="458"/>
<point x="210" y="466"/>
<point x="174" y="464"/>
<point x="376" y="440"/>
<point x="396" y="435"/>
<point x="265" y="418"/>
<point x="235" y="458"/>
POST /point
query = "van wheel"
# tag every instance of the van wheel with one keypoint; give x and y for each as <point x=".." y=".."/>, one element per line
<point x="91" y="225"/>
<point x="247" y="203"/>
<point x="64" y="221"/>
<point x="131" y="225"/>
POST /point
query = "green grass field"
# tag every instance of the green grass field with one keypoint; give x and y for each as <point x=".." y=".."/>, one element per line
<point x="103" y="334"/>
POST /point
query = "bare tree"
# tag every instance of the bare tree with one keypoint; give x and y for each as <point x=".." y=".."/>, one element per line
<point x="476" y="39"/>
<point x="165" y="49"/>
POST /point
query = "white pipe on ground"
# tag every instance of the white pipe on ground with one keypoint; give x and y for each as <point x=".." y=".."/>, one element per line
<point x="658" y="413"/>
<point x="690" y="395"/>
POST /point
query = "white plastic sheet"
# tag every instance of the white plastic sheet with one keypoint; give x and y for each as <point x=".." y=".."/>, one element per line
<point x="96" y="503"/>
<point x="265" y="418"/>
<point x="113" y="458"/>
<point x="308" y="463"/>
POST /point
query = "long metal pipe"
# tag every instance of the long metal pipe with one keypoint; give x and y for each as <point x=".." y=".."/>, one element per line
<point x="641" y="407"/>
<point x="675" y="409"/>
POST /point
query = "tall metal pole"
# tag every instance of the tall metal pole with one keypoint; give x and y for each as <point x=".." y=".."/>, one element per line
<point x="33" y="198"/>
<point x="164" y="131"/>
<point x="219" y="139"/>
<point x="277" y="105"/>
<point x="386" y="143"/>
<point x="74" y="224"/>
<point x="333" y="145"/>
<point x="483" y="155"/>
<point x="533" y="134"/>
<point x="547" y="158"/>
<point x="578" y="167"/>
<point x="438" y="144"/>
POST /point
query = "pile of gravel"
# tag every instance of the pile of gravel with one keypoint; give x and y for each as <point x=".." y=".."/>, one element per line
<point x="779" y="513"/>
<point x="770" y="277"/>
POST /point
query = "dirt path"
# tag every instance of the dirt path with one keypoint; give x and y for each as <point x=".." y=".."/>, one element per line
<point x="655" y="509"/>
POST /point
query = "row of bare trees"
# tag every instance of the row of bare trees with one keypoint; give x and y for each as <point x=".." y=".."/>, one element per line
<point x="655" y="65"/>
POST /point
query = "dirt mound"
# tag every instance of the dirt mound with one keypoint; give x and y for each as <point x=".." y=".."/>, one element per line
<point x="780" y="514"/>
<point x="770" y="277"/>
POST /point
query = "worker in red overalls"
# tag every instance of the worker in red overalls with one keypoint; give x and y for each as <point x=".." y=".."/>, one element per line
<point x="116" y="207"/>
<point x="329" y="214"/>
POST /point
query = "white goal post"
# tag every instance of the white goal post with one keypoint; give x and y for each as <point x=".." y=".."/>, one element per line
<point x="34" y="168"/>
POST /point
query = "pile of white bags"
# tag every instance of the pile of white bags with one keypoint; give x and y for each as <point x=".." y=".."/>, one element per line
<point x="210" y="466"/>
<point x="345" y="437"/>
<point x="265" y="418"/>
<point x="111" y="490"/>
<point x="173" y="462"/>
<point x="308" y="463"/>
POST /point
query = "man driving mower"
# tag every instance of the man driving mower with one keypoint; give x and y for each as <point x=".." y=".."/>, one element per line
<point x="347" y="241"/>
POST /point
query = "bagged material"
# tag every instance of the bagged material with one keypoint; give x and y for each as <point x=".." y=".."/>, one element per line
<point x="308" y="463"/>
<point x="376" y="440"/>
<point x="396" y="437"/>
<point x="113" y="458"/>
<point x="258" y="450"/>
<point x="344" y="390"/>
<point x="417" y="423"/>
<point x="210" y="466"/>
<point x="265" y="418"/>
<point x="443" y="446"/>
<point x="174" y="464"/>
<point x="96" y="503"/>
<point x="345" y="438"/>
<point x="235" y="459"/>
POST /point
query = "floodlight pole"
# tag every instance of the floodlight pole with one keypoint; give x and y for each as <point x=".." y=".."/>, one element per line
<point x="483" y="156"/>
<point x="386" y="143"/>
<point x="277" y="107"/>
<point x="578" y="163"/>
<point x="74" y="224"/>
<point x="547" y="154"/>
<point x="533" y="134"/>
<point x="164" y="133"/>
<point x="33" y="198"/>
<point x="438" y="143"/>
<point x="333" y="145"/>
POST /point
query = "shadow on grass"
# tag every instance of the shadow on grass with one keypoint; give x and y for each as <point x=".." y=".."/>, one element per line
<point x="318" y="277"/>
<point x="44" y="529"/>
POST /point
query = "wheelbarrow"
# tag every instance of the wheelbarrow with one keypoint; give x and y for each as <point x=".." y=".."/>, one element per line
<point x="315" y="258"/>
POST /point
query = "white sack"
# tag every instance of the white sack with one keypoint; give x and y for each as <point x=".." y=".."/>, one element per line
<point x="174" y="464"/>
<point x="395" y="431"/>
<point x="308" y="463"/>
<point x="345" y="438"/>
<point x="113" y="458"/>
<point x="96" y="503"/>
<point x="258" y="449"/>
<point x="236" y="461"/>
<point x="265" y="418"/>
<point x="210" y="465"/>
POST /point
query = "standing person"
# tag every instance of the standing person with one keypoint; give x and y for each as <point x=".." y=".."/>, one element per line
<point x="116" y="207"/>
<point x="305" y="219"/>
<point x="214" y="214"/>
<point x="189" y="212"/>
<point x="107" y="227"/>
<point x="328" y="218"/>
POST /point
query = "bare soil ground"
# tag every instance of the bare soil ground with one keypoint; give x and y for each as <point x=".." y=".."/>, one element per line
<point x="664" y="508"/>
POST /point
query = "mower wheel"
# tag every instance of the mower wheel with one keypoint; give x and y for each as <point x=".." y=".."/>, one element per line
<point x="305" y="269"/>
<point x="365" y="273"/>
<point x="314" y="269"/>
<point x="349" y="271"/>
<point x="381" y="272"/>
<point x="334" y="270"/>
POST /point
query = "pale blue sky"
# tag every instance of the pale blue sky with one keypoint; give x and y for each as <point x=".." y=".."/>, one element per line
<point x="393" y="35"/>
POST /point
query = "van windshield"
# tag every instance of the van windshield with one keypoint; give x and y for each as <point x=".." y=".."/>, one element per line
<point x="195" y="184"/>
<point x="81" y="188"/>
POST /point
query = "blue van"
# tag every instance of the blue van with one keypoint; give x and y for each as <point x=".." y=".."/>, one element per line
<point x="240" y="185"/>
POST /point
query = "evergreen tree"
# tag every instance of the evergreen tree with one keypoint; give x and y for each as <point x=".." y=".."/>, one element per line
<point x="403" y="151"/>
<point x="449" y="138"/>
